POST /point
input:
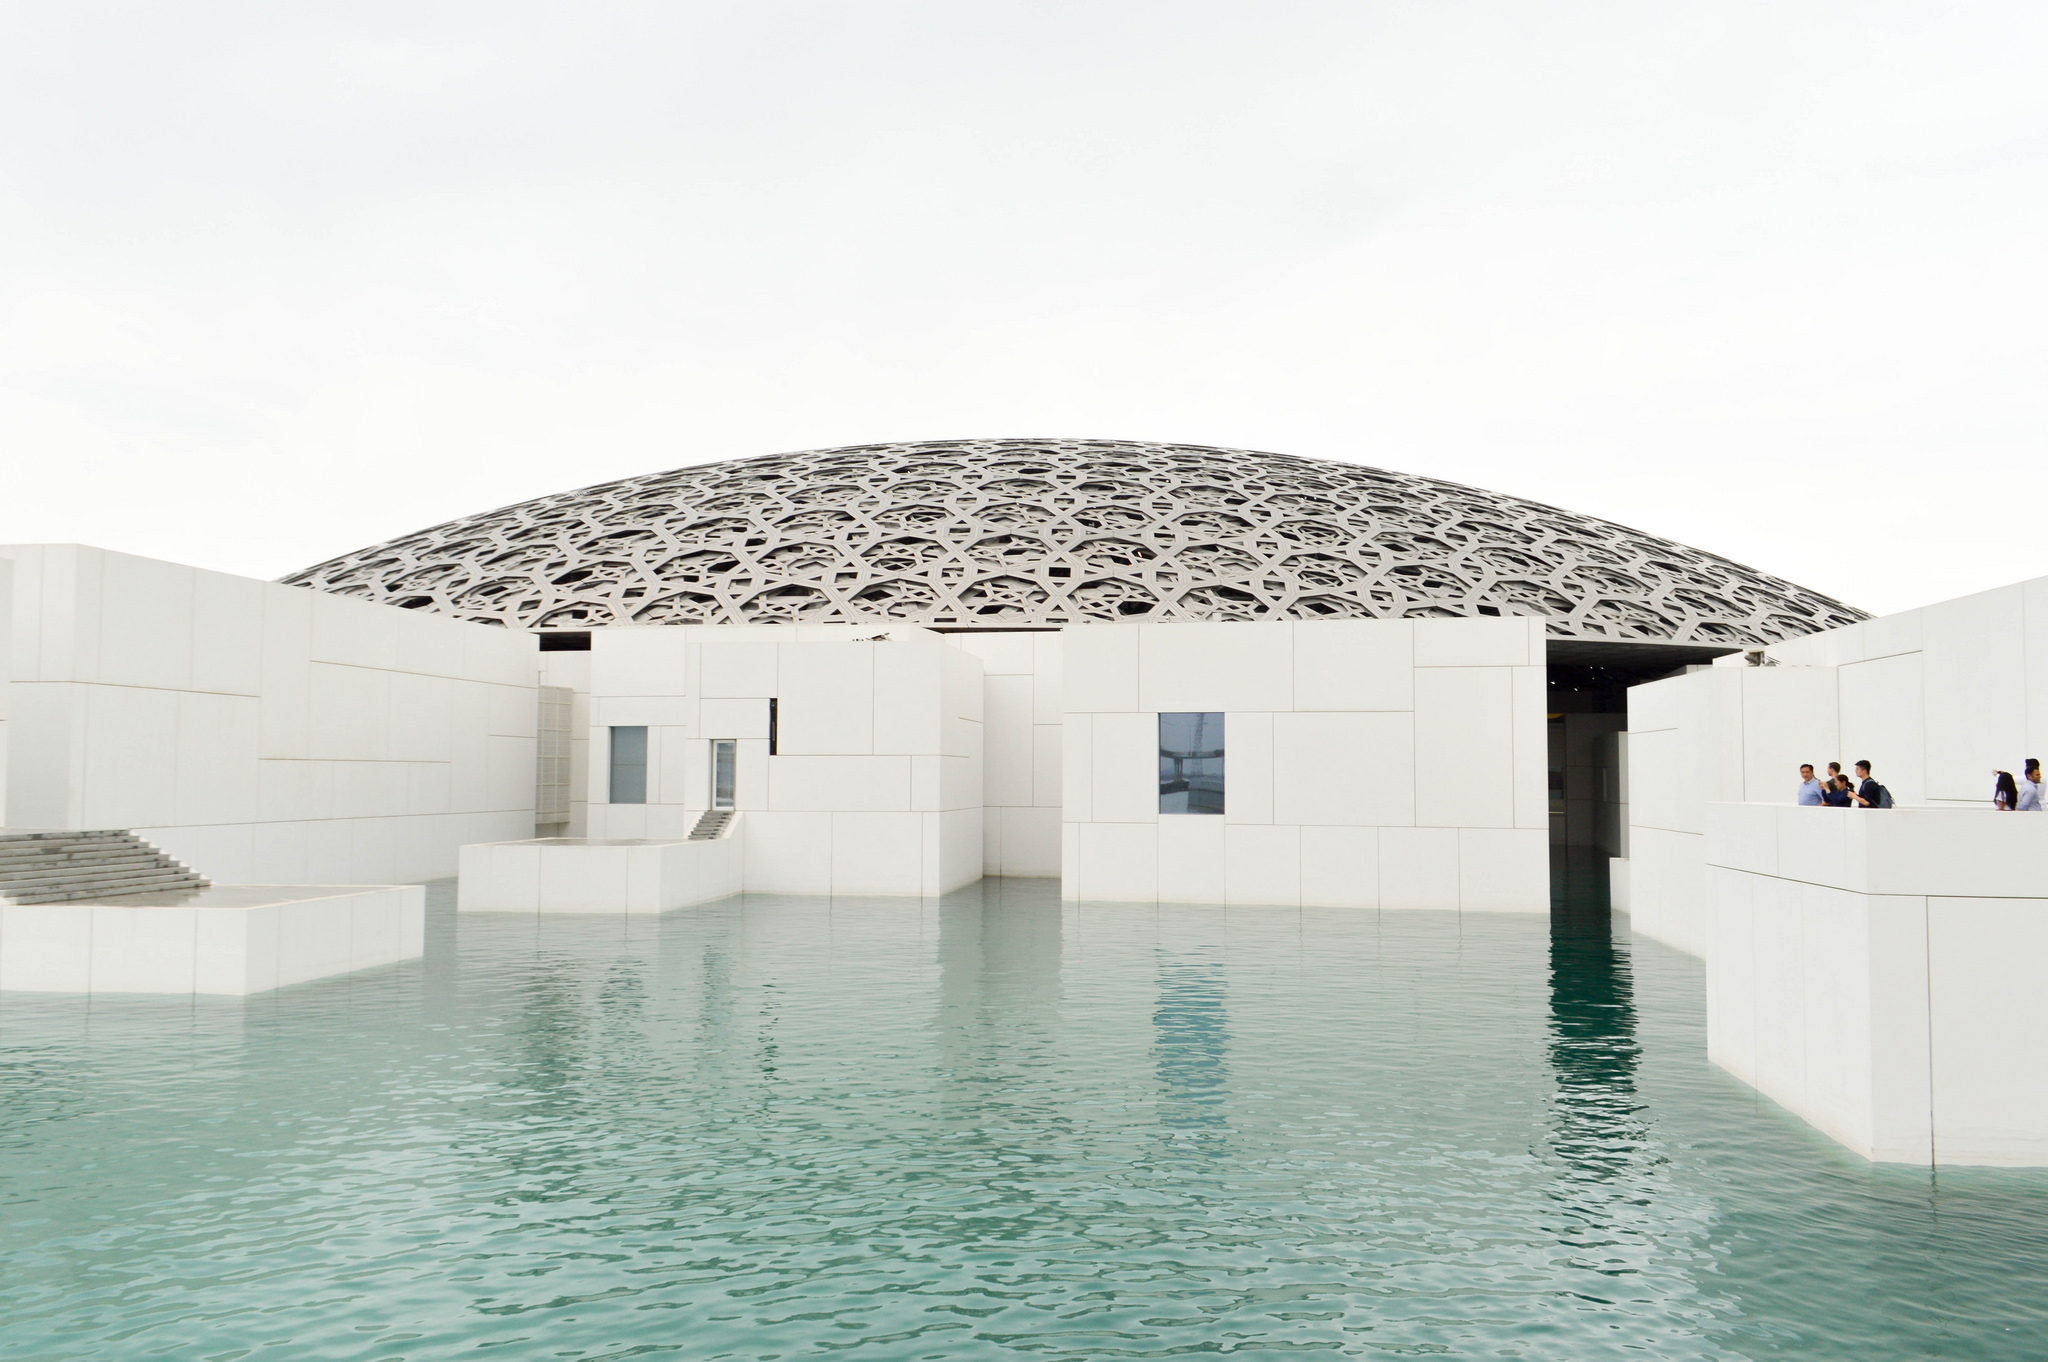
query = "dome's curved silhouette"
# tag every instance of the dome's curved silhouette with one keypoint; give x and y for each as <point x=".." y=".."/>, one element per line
<point x="1010" y="533"/>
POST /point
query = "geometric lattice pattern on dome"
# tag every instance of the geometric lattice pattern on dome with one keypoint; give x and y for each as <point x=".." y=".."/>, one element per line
<point x="1009" y="533"/>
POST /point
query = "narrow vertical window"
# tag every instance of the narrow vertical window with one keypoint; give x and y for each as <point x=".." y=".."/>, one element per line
<point x="772" y="724"/>
<point x="724" y="758"/>
<point x="629" y="765"/>
<point x="1191" y="763"/>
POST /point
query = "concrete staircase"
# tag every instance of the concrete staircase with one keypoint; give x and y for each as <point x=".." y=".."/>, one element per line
<point x="711" y="825"/>
<point x="64" y="867"/>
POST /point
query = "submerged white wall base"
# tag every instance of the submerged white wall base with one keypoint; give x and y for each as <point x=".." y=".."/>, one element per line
<point x="230" y="939"/>
<point x="1879" y="974"/>
<point x="1666" y="874"/>
<point x="575" y="875"/>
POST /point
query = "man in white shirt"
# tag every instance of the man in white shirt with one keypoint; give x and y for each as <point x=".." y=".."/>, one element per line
<point x="2030" y="788"/>
<point x="1809" y="788"/>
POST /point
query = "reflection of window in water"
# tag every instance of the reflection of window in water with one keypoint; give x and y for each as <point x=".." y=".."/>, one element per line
<point x="1191" y="763"/>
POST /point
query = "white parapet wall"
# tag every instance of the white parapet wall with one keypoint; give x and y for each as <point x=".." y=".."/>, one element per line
<point x="1369" y="764"/>
<point x="874" y="783"/>
<point x="262" y="733"/>
<point x="577" y="875"/>
<point x="1879" y="974"/>
<point x="231" y="940"/>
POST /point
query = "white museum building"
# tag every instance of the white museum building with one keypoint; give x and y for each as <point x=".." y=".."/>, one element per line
<point x="1153" y="672"/>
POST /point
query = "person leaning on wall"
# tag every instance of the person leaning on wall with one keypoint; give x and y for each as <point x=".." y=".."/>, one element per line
<point x="2005" y="796"/>
<point x="2030" y="788"/>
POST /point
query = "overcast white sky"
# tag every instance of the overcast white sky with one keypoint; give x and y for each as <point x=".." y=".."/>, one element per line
<point x="280" y="281"/>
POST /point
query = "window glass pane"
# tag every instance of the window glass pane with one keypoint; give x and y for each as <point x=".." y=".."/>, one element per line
<point x="723" y="759"/>
<point x="629" y="765"/>
<point x="1191" y="763"/>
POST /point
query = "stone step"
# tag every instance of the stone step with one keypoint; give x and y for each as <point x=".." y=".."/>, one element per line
<point x="59" y="867"/>
<point x="711" y="825"/>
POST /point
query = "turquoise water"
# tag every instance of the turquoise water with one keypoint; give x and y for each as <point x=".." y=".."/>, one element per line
<point x="986" y="1127"/>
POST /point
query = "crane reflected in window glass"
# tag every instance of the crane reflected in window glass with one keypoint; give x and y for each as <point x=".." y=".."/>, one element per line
<point x="1191" y="763"/>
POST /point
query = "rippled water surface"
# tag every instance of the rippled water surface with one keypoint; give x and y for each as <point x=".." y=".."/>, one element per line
<point x="982" y="1127"/>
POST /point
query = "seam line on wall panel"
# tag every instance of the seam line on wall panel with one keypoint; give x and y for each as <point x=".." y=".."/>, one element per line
<point x="1927" y="943"/>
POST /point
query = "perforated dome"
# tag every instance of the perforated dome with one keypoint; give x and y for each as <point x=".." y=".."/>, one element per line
<point x="1012" y="533"/>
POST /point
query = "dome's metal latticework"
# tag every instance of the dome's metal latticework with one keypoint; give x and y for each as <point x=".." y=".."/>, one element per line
<point x="1018" y="533"/>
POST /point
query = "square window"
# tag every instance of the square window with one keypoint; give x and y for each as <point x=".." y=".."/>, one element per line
<point x="1191" y="763"/>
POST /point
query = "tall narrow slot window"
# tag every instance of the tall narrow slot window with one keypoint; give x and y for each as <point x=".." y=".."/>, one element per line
<point x="629" y="765"/>
<point x="724" y="757"/>
<point x="773" y="717"/>
<point x="1191" y="763"/>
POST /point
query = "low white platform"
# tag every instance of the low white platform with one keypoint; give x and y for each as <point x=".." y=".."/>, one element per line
<point x="1880" y="974"/>
<point x="230" y="939"/>
<point x="597" y="875"/>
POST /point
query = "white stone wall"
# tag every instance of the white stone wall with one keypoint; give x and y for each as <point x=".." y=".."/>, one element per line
<point x="1878" y="974"/>
<point x="6" y="670"/>
<point x="1021" y="724"/>
<point x="262" y="733"/>
<point x="1370" y="763"/>
<point x="1935" y="699"/>
<point x="877" y="782"/>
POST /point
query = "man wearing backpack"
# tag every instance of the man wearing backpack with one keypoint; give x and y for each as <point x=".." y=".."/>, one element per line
<point x="1870" y="794"/>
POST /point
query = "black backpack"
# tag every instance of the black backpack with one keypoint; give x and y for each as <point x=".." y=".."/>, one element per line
<point x="1884" y="798"/>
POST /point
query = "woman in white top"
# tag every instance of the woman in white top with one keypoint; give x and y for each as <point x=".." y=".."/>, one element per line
<point x="2005" y="796"/>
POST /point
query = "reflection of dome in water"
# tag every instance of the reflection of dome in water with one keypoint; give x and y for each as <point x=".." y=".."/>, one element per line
<point x="1009" y="533"/>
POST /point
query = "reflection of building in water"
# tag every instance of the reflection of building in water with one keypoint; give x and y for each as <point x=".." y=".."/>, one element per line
<point x="1593" y="1047"/>
<point x="1191" y="1043"/>
<point x="999" y="984"/>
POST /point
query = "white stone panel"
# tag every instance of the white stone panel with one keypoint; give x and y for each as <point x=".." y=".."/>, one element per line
<point x="215" y="766"/>
<point x="1126" y="768"/>
<point x="877" y="853"/>
<point x="1010" y="740"/>
<point x="142" y="950"/>
<point x="349" y="718"/>
<point x="1989" y="1015"/>
<point x="1464" y="746"/>
<point x="131" y="757"/>
<point x="909" y="707"/>
<point x="789" y="853"/>
<point x="1789" y="716"/>
<point x="1508" y="641"/>
<point x="1077" y="769"/>
<point x="1340" y="867"/>
<point x="1344" y="769"/>
<point x="827" y="699"/>
<point x="227" y="634"/>
<point x="746" y="718"/>
<point x="1248" y="767"/>
<point x="1117" y="862"/>
<point x="1503" y="870"/>
<point x="1191" y="859"/>
<point x="1101" y="668"/>
<point x="1030" y="840"/>
<point x="145" y="623"/>
<point x="1264" y="864"/>
<point x="1354" y="664"/>
<point x="870" y="784"/>
<point x="1048" y="701"/>
<point x="1046" y="747"/>
<point x="1419" y="868"/>
<point x="1975" y="654"/>
<point x="1194" y="666"/>
<point x="738" y="670"/>
<point x="1531" y="771"/>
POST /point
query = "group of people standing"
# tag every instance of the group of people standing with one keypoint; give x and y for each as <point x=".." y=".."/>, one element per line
<point x="1840" y="792"/>
<point x="2021" y="797"/>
